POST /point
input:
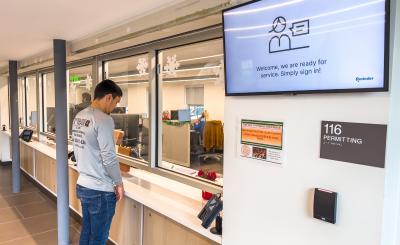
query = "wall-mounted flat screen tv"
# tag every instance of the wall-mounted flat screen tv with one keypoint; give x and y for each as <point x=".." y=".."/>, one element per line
<point x="306" y="46"/>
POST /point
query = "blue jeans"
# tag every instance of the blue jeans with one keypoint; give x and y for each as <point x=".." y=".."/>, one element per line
<point x="98" y="208"/>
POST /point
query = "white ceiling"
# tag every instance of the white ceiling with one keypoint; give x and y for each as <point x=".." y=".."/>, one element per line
<point x="28" y="27"/>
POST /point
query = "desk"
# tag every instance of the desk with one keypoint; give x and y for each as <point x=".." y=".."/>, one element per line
<point x="176" y="143"/>
<point x="155" y="210"/>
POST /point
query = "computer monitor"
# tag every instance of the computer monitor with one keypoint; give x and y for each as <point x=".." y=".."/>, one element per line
<point x="174" y="115"/>
<point x="133" y="127"/>
<point x="196" y="111"/>
<point x="181" y="115"/>
<point x="129" y="123"/>
<point x="51" y="119"/>
<point x="119" y="121"/>
<point x="33" y="118"/>
<point x="184" y="115"/>
<point x="119" y="110"/>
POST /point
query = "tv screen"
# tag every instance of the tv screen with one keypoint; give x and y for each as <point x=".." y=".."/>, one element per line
<point x="306" y="46"/>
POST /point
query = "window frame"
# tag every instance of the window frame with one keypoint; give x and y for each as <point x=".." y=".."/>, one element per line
<point x="181" y="43"/>
<point x="22" y="90"/>
<point x="151" y="49"/>
<point x="26" y="100"/>
<point x="47" y="70"/>
<point x="43" y="104"/>
<point x="24" y="75"/>
<point x="124" y="55"/>
<point x="78" y="64"/>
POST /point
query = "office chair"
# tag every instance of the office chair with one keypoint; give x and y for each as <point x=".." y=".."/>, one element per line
<point x="213" y="140"/>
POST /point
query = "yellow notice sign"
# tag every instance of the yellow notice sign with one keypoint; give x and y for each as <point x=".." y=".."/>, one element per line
<point x="262" y="133"/>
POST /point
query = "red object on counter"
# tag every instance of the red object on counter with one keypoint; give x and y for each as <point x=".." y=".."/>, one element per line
<point x="205" y="174"/>
<point x="206" y="195"/>
<point x="212" y="175"/>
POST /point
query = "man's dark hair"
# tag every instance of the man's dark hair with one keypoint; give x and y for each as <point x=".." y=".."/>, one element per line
<point x="107" y="87"/>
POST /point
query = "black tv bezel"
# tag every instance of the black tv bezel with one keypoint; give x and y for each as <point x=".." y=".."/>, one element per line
<point x="385" y="87"/>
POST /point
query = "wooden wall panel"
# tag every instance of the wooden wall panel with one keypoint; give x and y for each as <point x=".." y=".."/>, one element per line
<point x="160" y="230"/>
<point x="126" y="225"/>
<point x="126" y="228"/>
<point x="73" y="200"/>
<point x="46" y="171"/>
<point x="27" y="158"/>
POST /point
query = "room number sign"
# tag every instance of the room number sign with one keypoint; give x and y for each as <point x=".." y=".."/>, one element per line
<point x="357" y="143"/>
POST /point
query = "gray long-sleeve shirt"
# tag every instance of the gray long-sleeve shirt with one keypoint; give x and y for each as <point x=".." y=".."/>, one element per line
<point x="94" y="149"/>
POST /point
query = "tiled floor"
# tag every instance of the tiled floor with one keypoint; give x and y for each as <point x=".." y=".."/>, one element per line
<point x="29" y="217"/>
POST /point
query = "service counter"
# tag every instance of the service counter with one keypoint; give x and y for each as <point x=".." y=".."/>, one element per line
<point x="155" y="210"/>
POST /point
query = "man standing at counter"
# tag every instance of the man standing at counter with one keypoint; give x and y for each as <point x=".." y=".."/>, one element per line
<point x="100" y="184"/>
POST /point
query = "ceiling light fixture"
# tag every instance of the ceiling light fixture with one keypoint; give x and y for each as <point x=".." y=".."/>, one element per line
<point x="201" y="58"/>
<point x="196" y="69"/>
<point x="190" y="80"/>
<point x="132" y="75"/>
<point x="188" y="69"/>
<point x="254" y="10"/>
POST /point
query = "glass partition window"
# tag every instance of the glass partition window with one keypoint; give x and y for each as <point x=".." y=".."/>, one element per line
<point x="21" y="102"/>
<point x="80" y="85"/>
<point x="131" y="117"/>
<point x="192" y="109"/>
<point x="49" y="110"/>
<point x="31" y="101"/>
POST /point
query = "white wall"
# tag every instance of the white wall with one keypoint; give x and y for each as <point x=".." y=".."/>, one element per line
<point x="124" y="99"/>
<point x="135" y="98"/>
<point x="277" y="199"/>
<point x="214" y="97"/>
<point x="173" y="96"/>
<point x="269" y="204"/>
<point x="4" y="105"/>
<point x="75" y="97"/>
<point x="138" y="100"/>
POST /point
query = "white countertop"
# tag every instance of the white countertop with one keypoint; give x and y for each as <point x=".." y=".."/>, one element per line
<point x="6" y="132"/>
<point x="173" y="200"/>
<point x="170" y="198"/>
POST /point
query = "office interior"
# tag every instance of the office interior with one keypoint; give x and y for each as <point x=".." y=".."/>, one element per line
<point x="175" y="122"/>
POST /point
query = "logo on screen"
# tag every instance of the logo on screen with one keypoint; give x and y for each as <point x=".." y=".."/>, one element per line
<point x="281" y="40"/>
<point x="360" y="79"/>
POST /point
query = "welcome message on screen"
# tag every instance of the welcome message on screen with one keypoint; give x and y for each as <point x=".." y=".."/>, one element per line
<point x="297" y="45"/>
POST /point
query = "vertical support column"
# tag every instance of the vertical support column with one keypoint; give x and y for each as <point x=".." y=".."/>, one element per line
<point x="16" y="171"/>
<point x="391" y="209"/>
<point x="60" y="71"/>
<point x="153" y="73"/>
<point x="38" y="104"/>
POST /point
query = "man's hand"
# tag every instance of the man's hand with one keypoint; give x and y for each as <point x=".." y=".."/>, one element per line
<point x="119" y="191"/>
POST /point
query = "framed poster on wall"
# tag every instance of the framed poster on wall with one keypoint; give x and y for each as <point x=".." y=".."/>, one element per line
<point x="262" y="140"/>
